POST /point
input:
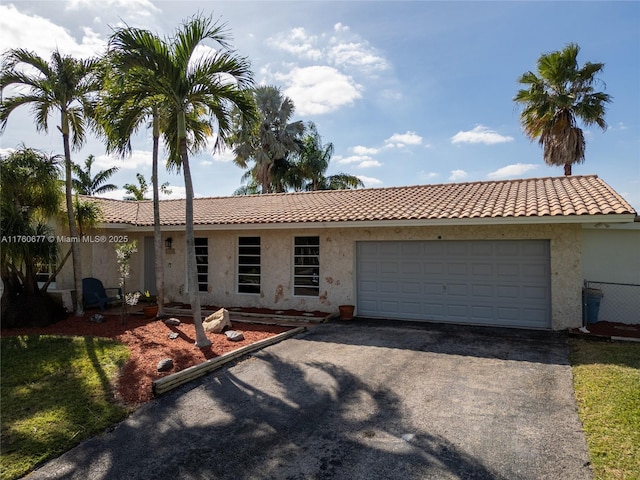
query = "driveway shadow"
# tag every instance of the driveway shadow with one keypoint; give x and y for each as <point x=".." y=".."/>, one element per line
<point x="334" y="404"/>
<point x="536" y="346"/>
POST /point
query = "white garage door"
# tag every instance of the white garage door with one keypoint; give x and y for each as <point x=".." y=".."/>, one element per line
<point x="503" y="282"/>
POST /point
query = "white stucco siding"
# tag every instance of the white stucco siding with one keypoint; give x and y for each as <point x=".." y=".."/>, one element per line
<point x="337" y="282"/>
<point x="337" y="264"/>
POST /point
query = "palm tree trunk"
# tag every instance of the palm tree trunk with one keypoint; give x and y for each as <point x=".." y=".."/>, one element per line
<point x="157" y="231"/>
<point x="73" y="231"/>
<point x="192" y="275"/>
<point x="567" y="169"/>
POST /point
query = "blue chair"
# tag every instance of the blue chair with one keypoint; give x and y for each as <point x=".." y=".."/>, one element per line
<point x="94" y="294"/>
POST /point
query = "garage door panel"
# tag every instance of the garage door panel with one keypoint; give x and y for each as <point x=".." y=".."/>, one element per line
<point x="411" y="268"/>
<point x="508" y="270"/>
<point x="479" y="282"/>
<point x="455" y="268"/>
<point x="482" y="291"/>
<point x="457" y="290"/>
<point x="432" y="268"/>
<point x="482" y="269"/>
<point x="388" y="287"/>
<point x="411" y="288"/>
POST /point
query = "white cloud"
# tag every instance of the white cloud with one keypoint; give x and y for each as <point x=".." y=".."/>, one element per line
<point x="126" y="8"/>
<point x="176" y="193"/>
<point x="360" y="150"/>
<point x="428" y="176"/>
<point x="369" y="163"/>
<point x="136" y="161"/>
<point x="297" y="42"/>
<point x="401" y="140"/>
<point x="17" y="30"/>
<point x="356" y="54"/>
<point x="370" y="181"/>
<point x="319" y="89"/>
<point x="511" y="171"/>
<point x="480" y="134"/>
<point x="359" y="161"/>
<point x="342" y="49"/>
<point x="5" y="152"/>
<point x="457" y="175"/>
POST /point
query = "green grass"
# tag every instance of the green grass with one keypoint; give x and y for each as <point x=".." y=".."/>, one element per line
<point x="55" y="392"/>
<point x="607" y="385"/>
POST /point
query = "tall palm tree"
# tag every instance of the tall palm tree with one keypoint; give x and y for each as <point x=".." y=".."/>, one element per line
<point x="66" y="86"/>
<point x="205" y="86"/>
<point x="313" y="162"/>
<point x="270" y="139"/>
<point x="86" y="184"/>
<point x="120" y="116"/>
<point x="555" y="99"/>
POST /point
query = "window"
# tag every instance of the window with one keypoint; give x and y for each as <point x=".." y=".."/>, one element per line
<point x="202" y="263"/>
<point x="44" y="272"/>
<point x="249" y="265"/>
<point x="306" y="265"/>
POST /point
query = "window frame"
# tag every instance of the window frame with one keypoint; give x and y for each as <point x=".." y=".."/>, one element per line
<point x="203" y="286"/>
<point x="245" y="252"/>
<point x="303" y="259"/>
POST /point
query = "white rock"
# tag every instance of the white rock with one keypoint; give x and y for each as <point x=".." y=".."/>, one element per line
<point x="217" y="321"/>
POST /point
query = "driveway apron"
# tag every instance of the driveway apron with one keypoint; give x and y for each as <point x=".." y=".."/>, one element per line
<point x="360" y="400"/>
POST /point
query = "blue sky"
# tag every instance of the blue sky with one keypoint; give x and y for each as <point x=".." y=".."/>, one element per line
<point x="408" y="92"/>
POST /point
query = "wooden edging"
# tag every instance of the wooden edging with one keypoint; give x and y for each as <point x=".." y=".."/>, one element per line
<point x="165" y="384"/>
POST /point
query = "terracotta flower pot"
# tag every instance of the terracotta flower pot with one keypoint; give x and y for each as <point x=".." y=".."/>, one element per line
<point x="346" y="312"/>
<point x="150" y="311"/>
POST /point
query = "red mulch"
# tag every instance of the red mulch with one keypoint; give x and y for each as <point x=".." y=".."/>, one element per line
<point x="148" y="341"/>
<point x="611" y="329"/>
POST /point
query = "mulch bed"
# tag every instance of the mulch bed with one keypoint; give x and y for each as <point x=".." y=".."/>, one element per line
<point x="149" y="342"/>
<point x="610" y="329"/>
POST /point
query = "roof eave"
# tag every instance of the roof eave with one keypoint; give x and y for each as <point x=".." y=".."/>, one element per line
<point x="532" y="220"/>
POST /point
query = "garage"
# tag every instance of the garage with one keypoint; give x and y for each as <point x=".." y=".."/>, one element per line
<point x="479" y="282"/>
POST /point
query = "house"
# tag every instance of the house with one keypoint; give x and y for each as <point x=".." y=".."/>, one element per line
<point x="505" y="253"/>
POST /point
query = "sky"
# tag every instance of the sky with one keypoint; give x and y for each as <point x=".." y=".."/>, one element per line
<point x="409" y="93"/>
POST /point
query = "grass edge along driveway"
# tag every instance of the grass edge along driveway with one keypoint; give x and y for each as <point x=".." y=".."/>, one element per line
<point x="55" y="392"/>
<point x="606" y="379"/>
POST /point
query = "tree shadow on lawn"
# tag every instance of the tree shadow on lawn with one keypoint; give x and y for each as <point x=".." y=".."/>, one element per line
<point x="33" y="396"/>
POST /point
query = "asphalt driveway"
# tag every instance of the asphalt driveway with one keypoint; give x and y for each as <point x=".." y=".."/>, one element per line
<point x="359" y="401"/>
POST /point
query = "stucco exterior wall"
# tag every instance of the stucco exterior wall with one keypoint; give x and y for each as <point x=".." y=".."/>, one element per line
<point x="337" y="264"/>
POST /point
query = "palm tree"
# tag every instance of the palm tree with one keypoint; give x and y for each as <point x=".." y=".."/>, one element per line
<point x="120" y="116"/>
<point x="207" y="87"/>
<point x="271" y="139"/>
<point x="86" y="184"/>
<point x="554" y="99"/>
<point x="66" y="86"/>
<point x="29" y="194"/>
<point x="313" y="162"/>
<point x="139" y="192"/>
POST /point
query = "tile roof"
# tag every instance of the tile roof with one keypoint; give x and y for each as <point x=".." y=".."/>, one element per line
<point x="534" y="197"/>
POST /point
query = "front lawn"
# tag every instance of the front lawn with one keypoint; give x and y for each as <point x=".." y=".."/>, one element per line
<point x="607" y="385"/>
<point x="54" y="392"/>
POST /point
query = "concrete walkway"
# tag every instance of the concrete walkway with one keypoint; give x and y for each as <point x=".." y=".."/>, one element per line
<point x="359" y="401"/>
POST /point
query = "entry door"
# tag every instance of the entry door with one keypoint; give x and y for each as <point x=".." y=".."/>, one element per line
<point x="502" y="283"/>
